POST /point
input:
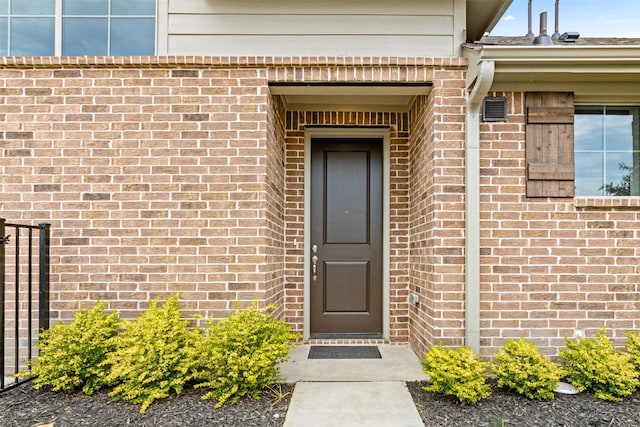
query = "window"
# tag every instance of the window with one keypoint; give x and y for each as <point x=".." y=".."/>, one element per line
<point x="27" y="27"/>
<point x="85" y="27"/>
<point x="607" y="151"/>
<point x="108" y="27"/>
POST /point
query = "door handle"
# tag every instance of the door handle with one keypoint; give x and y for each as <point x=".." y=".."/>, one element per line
<point x="314" y="267"/>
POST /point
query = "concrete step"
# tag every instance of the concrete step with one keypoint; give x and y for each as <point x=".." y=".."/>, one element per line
<point x="332" y="404"/>
<point x="353" y="392"/>
<point x="398" y="363"/>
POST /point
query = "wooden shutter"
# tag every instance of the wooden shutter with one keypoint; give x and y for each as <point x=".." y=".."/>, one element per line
<point x="549" y="145"/>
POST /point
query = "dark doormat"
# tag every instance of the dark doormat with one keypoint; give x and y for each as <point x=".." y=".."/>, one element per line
<point x="344" y="352"/>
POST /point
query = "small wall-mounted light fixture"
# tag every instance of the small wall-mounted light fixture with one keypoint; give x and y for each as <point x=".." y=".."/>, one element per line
<point x="494" y="109"/>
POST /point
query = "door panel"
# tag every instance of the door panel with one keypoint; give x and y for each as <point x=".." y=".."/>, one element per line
<point x="346" y="287"/>
<point x="346" y="233"/>
<point x="347" y="181"/>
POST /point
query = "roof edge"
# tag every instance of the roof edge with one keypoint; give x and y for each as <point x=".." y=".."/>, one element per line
<point x="556" y="54"/>
<point x="486" y="15"/>
<point x="592" y="73"/>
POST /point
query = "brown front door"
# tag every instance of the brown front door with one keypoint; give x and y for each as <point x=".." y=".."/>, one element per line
<point x="346" y="237"/>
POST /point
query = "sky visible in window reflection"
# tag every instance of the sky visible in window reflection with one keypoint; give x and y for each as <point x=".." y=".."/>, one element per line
<point x="588" y="131"/>
<point x="84" y="36"/>
<point x="129" y="7"/>
<point x="85" y="7"/>
<point x="32" y="37"/>
<point x="132" y="36"/>
<point x="101" y="7"/>
<point x="618" y="129"/>
<point x="4" y="47"/>
<point x="32" y="7"/>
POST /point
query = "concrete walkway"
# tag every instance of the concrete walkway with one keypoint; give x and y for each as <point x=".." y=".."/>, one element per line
<point x="353" y="392"/>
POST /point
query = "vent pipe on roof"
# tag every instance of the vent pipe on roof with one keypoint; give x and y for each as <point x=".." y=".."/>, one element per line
<point x="556" y="34"/>
<point x="530" y="33"/>
<point x="543" y="39"/>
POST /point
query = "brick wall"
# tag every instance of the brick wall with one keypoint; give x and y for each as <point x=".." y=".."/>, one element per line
<point x="436" y="212"/>
<point x="550" y="266"/>
<point x="183" y="174"/>
<point x="164" y="175"/>
<point x="358" y="69"/>
<point x="154" y="178"/>
<point x="275" y="212"/>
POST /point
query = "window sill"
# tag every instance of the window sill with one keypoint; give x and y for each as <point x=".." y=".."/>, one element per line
<point x="607" y="202"/>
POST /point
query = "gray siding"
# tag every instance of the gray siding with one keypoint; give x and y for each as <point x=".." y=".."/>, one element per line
<point x="310" y="28"/>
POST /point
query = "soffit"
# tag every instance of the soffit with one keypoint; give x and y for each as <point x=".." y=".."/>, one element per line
<point x="483" y="15"/>
<point x="323" y="96"/>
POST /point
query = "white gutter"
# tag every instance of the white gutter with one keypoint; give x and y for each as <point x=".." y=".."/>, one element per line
<point x="567" y="56"/>
<point x="486" y="71"/>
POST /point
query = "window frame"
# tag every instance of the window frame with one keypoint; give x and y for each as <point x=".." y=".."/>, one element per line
<point x="634" y="150"/>
<point x="11" y="17"/>
<point x="109" y="16"/>
<point x="58" y="21"/>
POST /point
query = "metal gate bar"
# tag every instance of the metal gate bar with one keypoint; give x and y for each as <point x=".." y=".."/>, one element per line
<point x="44" y="231"/>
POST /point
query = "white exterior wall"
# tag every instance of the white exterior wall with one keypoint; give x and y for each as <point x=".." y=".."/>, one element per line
<point x="311" y="28"/>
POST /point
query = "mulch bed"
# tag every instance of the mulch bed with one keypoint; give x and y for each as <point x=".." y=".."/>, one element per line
<point x="505" y="408"/>
<point x="26" y="407"/>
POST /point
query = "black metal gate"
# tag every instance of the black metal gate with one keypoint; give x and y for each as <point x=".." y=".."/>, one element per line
<point x="24" y="254"/>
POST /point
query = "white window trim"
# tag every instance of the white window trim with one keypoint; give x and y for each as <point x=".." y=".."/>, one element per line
<point x="57" y="32"/>
<point x="162" y="7"/>
<point x="604" y="200"/>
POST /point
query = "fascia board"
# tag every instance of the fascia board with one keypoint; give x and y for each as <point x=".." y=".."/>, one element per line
<point x="575" y="55"/>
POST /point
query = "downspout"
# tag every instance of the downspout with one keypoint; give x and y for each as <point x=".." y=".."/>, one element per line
<point x="486" y="70"/>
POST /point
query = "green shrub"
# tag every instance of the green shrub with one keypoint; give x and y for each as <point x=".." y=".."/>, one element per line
<point x="594" y="364"/>
<point x="240" y="355"/>
<point x="457" y="373"/>
<point x="154" y="354"/>
<point x="519" y="366"/>
<point x="72" y="355"/>
<point x="633" y="347"/>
